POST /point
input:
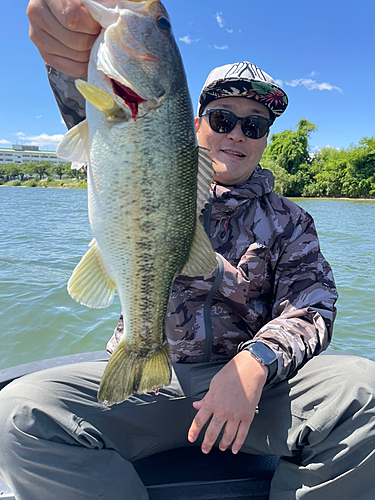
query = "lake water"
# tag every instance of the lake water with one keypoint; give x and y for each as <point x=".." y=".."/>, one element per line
<point x="45" y="232"/>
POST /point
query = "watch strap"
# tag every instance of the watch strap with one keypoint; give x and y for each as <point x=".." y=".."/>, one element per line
<point x="262" y="353"/>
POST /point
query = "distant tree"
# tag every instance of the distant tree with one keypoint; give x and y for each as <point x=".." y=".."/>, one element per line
<point x="12" y="170"/>
<point x="3" y="174"/>
<point x="42" y="169"/>
<point x="291" y="149"/>
<point x="61" y="169"/>
<point x="346" y="172"/>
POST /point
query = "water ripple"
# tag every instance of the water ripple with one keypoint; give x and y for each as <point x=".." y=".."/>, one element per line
<point x="45" y="232"/>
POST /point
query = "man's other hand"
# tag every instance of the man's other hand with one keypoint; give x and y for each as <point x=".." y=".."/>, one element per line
<point x="64" y="33"/>
<point x="231" y="401"/>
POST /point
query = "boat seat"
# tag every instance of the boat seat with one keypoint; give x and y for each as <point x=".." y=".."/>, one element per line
<point x="188" y="474"/>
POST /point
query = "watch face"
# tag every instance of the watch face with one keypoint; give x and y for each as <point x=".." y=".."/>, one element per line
<point x="263" y="353"/>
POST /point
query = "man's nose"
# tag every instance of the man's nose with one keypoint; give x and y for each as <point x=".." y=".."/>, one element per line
<point x="237" y="134"/>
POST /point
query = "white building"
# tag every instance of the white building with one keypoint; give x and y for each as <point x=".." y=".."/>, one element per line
<point x="26" y="154"/>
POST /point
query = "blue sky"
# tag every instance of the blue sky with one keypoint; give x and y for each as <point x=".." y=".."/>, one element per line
<point x="321" y="52"/>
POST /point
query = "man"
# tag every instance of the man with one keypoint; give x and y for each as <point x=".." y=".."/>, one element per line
<point x="244" y="341"/>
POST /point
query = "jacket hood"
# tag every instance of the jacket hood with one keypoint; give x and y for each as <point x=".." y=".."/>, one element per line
<point x="230" y="199"/>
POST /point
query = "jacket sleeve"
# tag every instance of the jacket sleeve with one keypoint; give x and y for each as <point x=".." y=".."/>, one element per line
<point x="70" y="102"/>
<point x="301" y="295"/>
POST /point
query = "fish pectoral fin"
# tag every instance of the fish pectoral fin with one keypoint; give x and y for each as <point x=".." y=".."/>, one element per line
<point x="202" y="259"/>
<point x="130" y="372"/>
<point x="99" y="98"/>
<point x="89" y="284"/>
<point x="75" y="144"/>
<point x="205" y="178"/>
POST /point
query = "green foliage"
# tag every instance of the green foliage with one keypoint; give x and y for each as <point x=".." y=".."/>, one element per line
<point x="31" y="183"/>
<point x="334" y="173"/>
<point x="61" y="169"/>
<point x="291" y="149"/>
<point x="16" y="182"/>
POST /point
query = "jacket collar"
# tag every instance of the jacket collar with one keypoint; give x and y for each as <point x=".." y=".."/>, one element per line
<point x="230" y="199"/>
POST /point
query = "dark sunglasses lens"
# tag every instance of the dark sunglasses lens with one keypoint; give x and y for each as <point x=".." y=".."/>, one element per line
<point x="222" y="122"/>
<point x="255" y="127"/>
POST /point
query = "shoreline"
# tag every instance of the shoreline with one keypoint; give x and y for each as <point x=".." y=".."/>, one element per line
<point x="72" y="186"/>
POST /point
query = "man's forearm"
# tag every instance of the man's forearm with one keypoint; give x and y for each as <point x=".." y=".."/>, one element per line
<point x="69" y="100"/>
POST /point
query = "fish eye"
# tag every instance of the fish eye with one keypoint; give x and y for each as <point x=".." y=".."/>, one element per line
<point x="164" y="24"/>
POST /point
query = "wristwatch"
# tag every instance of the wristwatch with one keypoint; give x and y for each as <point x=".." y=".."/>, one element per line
<point x="265" y="355"/>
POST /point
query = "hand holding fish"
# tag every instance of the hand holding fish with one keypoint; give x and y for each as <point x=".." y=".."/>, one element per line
<point x="231" y="402"/>
<point x="64" y="33"/>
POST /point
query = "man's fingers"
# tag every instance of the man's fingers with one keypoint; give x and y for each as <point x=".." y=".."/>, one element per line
<point x="66" y="66"/>
<point x="229" y="435"/>
<point x="212" y="433"/>
<point x="70" y="14"/>
<point x="46" y="27"/>
<point x="201" y="418"/>
<point x="50" y="45"/>
<point x="242" y="432"/>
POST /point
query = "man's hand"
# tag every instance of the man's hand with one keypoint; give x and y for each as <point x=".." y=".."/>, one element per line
<point x="64" y="33"/>
<point x="231" y="400"/>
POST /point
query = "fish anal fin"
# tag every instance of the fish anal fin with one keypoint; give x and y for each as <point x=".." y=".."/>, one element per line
<point x="89" y="284"/>
<point x="202" y="258"/>
<point x="128" y="372"/>
<point x="75" y="144"/>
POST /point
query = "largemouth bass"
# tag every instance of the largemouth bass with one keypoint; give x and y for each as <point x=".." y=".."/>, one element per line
<point x="147" y="183"/>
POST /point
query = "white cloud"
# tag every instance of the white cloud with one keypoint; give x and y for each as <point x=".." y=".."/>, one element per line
<point x="312" y="84"/>
<point x="4" y="141"/>
<point x="223" y="47"/>
<point x="39" y="116"/>
<point x="279" y="82"/>
<point x="313" y="73"/>
<point x="220" y="20"/>
<point x="40" y="140"/>
<point x="186" y="39"/>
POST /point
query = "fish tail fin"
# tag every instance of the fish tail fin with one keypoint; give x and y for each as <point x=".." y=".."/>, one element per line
<point x="129" y="372"/>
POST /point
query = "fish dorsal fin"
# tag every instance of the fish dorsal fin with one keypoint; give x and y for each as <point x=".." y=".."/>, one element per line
<point x="202" y="259"/>
<point x="104" y="15"/>
<point x="99" y="98"/>
<point x="205" y="179"/>
<point x="75" y="144"/>
<point x="89" y="284"/>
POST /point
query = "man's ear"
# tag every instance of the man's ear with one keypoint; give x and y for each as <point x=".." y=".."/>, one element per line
<point x="197" y="124"/>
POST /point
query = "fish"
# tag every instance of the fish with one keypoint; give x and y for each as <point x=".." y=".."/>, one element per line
<point x="147" y="183"/>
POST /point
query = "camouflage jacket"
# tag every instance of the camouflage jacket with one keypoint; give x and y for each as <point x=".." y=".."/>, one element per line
<point x="272" y="282"/>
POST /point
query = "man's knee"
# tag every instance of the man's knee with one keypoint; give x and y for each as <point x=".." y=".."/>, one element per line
<point x="25" y="412"/>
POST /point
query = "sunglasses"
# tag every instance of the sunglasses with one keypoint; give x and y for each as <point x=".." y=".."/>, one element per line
<point x="223" y="122"/>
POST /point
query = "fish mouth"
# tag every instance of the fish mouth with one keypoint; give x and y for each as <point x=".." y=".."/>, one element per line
<point x="130" y="98"/>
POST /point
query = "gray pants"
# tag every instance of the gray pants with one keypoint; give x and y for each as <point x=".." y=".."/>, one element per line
<point x="57" y="442"/>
